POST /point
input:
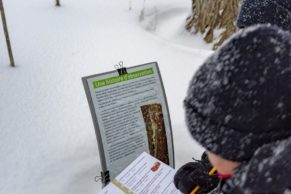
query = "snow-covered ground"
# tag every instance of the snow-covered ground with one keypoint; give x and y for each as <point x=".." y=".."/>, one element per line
<point x="47" y="139"/>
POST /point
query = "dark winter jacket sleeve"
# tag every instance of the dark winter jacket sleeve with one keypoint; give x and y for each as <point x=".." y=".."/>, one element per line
<point x="268" y="172"/>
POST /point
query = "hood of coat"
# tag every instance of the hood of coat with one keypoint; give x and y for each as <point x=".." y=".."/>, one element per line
<point x="275" y="12"/>
<point x="269" y="171"/>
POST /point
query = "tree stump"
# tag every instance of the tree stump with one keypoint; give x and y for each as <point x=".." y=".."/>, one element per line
<point x="209" y="16"/>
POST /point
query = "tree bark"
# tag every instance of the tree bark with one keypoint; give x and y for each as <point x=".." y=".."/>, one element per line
<point x="208" y="16"/>
<point x="6" y="34"/>
<point x="58" y="3"/>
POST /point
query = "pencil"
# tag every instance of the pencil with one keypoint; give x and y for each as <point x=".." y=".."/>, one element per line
<point x="196" y="189"/>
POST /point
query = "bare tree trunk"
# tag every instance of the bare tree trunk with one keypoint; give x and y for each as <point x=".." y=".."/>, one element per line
<point x="208" y="16"/>
<point x="58" y="3"/>
<point x="6" y="34"/>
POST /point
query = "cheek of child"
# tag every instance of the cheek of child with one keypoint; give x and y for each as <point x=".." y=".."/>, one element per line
<point x="224" y="167"/>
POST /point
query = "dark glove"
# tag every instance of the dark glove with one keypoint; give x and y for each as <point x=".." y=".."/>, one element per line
<point x="195" y="173"/>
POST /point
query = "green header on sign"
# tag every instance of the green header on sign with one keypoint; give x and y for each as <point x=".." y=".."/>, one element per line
<point x="121" y="78"/>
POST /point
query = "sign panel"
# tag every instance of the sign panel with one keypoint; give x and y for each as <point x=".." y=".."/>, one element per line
<point x="130" y="116"/>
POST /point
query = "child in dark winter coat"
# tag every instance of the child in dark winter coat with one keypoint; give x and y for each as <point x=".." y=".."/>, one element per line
<point x="238" y="107"/>
<point x="275" y="12"/>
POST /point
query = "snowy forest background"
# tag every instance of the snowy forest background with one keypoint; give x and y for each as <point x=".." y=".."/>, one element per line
<point x="47" y="138"/>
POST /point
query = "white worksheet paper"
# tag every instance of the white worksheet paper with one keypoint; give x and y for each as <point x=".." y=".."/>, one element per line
<point x="145" y="175"/>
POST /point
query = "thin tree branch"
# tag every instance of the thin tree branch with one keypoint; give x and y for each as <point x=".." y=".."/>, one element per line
<point x="6" y="34"/>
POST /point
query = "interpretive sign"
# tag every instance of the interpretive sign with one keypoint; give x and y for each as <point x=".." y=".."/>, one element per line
<point x="130" y="116"/>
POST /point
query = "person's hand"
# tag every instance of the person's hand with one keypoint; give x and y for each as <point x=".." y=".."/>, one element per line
<point x="195" y="174"/>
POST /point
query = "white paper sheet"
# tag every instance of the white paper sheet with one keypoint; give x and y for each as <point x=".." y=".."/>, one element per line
<point x="145" y="175"/>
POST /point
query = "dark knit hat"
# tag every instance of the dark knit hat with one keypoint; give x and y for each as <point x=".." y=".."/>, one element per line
<point x="240" y="98"/>
<point x="275" y="12"/>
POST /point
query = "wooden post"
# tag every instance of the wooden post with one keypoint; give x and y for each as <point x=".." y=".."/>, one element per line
<point x="6" y="34"/>
<point x="58" y="3"/>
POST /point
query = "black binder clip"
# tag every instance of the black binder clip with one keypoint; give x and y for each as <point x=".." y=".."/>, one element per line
<point x="119" y="67"/>
<point x="104" y="178"/>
